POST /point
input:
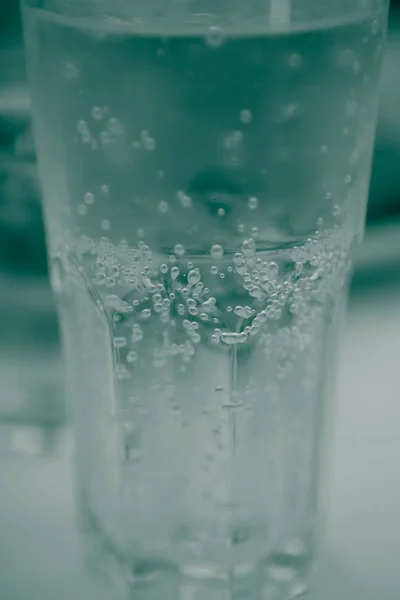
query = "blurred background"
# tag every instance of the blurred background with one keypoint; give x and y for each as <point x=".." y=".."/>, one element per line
<point x="39" y="547"/>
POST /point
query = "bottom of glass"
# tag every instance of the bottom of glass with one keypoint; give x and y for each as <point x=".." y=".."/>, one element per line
<point x="279" y="576"/>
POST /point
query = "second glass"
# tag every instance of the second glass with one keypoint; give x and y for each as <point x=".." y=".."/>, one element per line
<point x="205" y="170"/>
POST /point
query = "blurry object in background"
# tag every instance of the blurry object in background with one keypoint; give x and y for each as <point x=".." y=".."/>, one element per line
<point x="384" y="199"/>
<point x="31" y="392"/>
<point x="22" y="248"/>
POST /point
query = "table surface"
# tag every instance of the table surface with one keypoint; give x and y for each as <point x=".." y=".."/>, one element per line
<point x="39" y="545"/>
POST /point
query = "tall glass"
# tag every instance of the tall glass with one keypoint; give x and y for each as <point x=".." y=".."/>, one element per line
<point x="205" y="167"/>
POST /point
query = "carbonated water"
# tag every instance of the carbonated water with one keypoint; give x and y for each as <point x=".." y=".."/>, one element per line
<point x="204" y="190"/>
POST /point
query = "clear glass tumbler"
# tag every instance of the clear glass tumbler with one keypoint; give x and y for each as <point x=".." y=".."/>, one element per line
<point x="205" y="167"/>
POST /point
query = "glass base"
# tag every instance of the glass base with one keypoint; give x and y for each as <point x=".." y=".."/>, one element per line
<point x="280" y="576"/>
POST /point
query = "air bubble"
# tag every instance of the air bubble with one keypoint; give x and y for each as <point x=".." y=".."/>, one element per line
<point x="110" y="282"/>
<point x="243" y="311"/>
<point x="82" y="127"/>
<point x="145" y="314"/>
<point x="248" y="248"/>
<point x="149" y="144"/>
<point x="254" y="231"/>
<point x="194" y="276"/>
<point x="105" y="225"/>
<point x="117" y="304"/>
<point x="245" y="116"/>
<point x="97" y="113"/>
<point x="375" y="27"/>
<point x="71" y="71"/>
<point x="137" y="334"/>
<point x="119" y="342"/>
<point x="184" y="199"/>
<point x="121" y="372"/>
<point x="89" y="198"/>
<point x="114" y="126"/>
<point x="214" y="36"/>
<point x="163" y="207"/>
<point x="217" y="251"/>
<point x="295" y="61"/>
<point x="233" y="338"/>
<point x="164" y="269"/>
<point x="272" y="271"/>
<point x="82" y="209"/>
<point x="105" y="138"/>
<point x="174" y="273"/>
<point x="210" y="303"/>
<point x="214" y="270"/>
<point x="221" y="212"/>
<point x="179" y="250"/>
<point x="132" y="356"/>
<point x="253" y="203"/>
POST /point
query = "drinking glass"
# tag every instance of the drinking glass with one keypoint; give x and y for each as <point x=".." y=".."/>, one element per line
<point x="205" y="167"/>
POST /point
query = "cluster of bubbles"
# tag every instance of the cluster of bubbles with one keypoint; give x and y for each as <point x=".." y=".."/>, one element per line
<point x="175" y="291"/>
